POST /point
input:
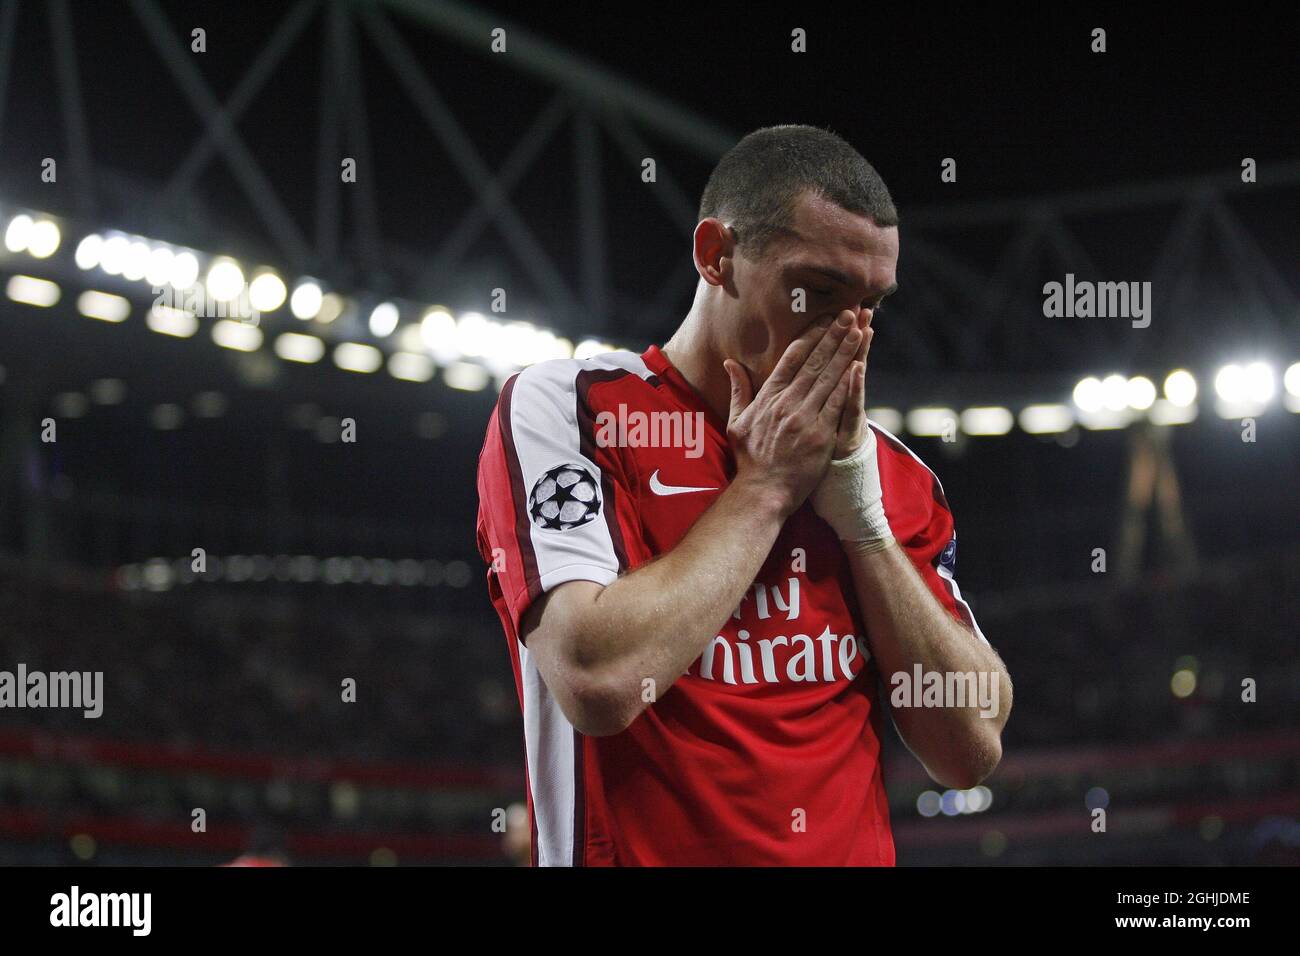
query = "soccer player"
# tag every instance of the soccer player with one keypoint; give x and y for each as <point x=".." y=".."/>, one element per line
<point x="705" y="557"/>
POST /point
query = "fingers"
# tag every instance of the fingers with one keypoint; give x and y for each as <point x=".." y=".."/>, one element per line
<point x="795" y="355"/>
<point x="830" y="376"/>
<point x="832" y="413"/>
<point x="855" y="412"/>
<point x="742" y="389"/>
<point x="867" y="333"/>
<point x="820" y="357"/>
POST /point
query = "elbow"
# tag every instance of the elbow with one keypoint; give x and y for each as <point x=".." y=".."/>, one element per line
<point x="973" y="765"/>
<point x="978" y="764"/>
<point x="599" y="706"/>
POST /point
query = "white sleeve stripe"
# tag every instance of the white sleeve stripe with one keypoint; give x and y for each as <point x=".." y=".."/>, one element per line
<point x="545" y="434"/>
<point x="550" y="750"/>
<point x="956" y="594"/>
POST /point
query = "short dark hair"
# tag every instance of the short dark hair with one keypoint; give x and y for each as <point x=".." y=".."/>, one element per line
<point x="756" y="185"/>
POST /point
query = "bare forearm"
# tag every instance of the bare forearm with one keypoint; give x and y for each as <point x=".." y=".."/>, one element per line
<point x="652" y="623"/>
<point x="907" y="627"/>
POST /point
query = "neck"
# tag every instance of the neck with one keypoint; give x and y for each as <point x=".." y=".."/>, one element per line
<point x="695" y="354"/>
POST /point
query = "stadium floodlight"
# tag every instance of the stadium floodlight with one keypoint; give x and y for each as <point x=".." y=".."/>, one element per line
<point x="44" y="239"/>
<point x="30" y="290"/>
<point x="1049" y="419"/>
<point x="1291" y="382"/>
<point x="170" y="321"/>
<point x="331" y="307"/>
<point x="1180" y="387"/>
<point x="383" y="319"/>
<point x="466" y="376"/>
<point x="1106" y="418"/>
<point x="305" y="302"/>
<point x="562" y="348"/>
<point x="890" y="419"/>
<point x="1261" y="382"/>
<point x="410" y="366"/>
<point x="1088" y="394"/>
<point x="533" y="344"/>
<point x="295" y="347"/>
<point x="70" y="404"/>
<point x="240" y="336"/>
<point x="1140" y="392"/>
<point x="979" y="799"/>
<point x="589" y="347"/>
<point x="225" y="280"/>
<point x="209" y="404"/>
<point x="1291" y="379"/>
<point x="184" y="271"/>
<point x="88" y="251"/>
<point x="355" y="357"/>
<point x="136" y="262"/>
<point x="108" y="391"/>
<point x="548" y="345"/>
<point x="103" y="306"/>
<point x="112" y="257"/>
<point x="518" y="345"/>
<point x="1244" y="389"/>
<point x="1166" y="412"/>
<point x="1229" y="383"/>
<point x="158" y="270"/>
<point x="931" y="422"/>
<point x="1114" y="392"/>
<point x="18" y="233"/>
<point x="928" y="803"/>
<point x="474" y="334"/>
<point x="438" y="332"/>
<point x="987" y="420"/>
<point x="166" y="417"/>
<point x="409" y="339"/>
<point x="267" y="292"/>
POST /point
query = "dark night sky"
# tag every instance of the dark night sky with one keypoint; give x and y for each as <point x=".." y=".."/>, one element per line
<point x="1013" y="93"/>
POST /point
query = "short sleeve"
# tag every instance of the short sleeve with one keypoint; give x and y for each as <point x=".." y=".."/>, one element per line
<point x="921" y="520"/>
<point x="549" y="496"/>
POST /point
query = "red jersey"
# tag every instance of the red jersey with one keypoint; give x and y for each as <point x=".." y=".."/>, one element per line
<point x="767" y="751"/>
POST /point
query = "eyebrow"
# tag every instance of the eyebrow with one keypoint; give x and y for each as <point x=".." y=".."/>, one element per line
<point x="841" y="277"/>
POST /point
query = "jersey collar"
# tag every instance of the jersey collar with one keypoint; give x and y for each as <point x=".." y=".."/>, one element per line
<point x="683" y="391"/>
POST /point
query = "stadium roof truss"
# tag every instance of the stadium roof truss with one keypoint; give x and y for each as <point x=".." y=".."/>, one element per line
<point x="964" y="315"/>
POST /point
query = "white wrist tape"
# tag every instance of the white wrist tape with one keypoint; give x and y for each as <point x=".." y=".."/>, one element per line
<point x="849" y="499"/>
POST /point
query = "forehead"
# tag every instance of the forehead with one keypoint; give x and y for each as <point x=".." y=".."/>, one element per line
<point x="827" y="236"/>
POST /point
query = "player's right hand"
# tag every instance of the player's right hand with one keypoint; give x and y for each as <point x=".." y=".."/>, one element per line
<point x="783" y="436"/>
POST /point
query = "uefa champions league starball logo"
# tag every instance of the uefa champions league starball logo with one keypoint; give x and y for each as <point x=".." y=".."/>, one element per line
<point x="565" y="497"/>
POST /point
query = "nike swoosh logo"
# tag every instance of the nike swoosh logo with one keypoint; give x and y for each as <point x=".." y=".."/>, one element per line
<point x="660" y="488"/>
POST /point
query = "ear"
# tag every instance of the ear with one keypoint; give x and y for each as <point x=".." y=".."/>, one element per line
<point x="714" y="248"/>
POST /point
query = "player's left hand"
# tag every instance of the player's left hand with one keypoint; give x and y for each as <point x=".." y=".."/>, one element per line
<point x="853" y="421"/>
